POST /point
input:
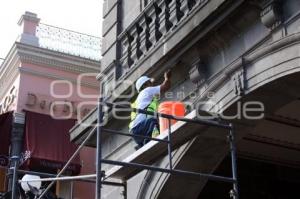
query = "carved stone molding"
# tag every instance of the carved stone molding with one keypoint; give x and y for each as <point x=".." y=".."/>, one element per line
<point x="238" y="83"/>
<point x="271" y="14"/>
<point x="8" y="74"/>
<point x="153" y="27"/>
<point x="198" y="72"/>
<point x="21" y="53"/>
<point x="62" y="61"/>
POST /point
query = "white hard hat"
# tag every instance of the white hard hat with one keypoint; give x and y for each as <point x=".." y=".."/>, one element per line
<point x="140" y="82"/>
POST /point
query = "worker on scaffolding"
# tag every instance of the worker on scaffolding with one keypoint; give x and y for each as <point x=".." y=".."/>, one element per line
<point x="147" y="99"/>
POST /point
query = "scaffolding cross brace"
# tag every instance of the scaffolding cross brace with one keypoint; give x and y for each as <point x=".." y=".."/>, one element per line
<point x="100" y="174"/>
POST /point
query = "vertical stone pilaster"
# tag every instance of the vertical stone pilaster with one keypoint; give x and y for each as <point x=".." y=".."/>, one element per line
<point x="118" y="66"/>
<point x="112" y="46"/>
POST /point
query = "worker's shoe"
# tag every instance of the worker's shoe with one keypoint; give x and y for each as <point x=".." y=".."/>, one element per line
<point x="137" y="147"/>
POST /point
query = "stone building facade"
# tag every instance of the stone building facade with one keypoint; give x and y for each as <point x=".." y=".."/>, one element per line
<point x="227" y="57"/>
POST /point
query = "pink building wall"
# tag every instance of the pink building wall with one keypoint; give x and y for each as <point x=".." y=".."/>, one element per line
<point x="86" y="190"/>
<point x="33" y="93"/>
<point x="40" y="86"/>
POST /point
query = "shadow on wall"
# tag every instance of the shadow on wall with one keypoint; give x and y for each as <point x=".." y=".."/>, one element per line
<point x="256" y="180"/>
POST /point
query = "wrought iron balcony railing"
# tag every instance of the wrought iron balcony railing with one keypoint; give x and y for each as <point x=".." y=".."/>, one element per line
<point x="158" y="19"/>
<point x="69" y="42"/>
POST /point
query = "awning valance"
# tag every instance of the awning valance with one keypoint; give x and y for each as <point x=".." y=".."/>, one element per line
<point x="47" y="143"/>
<point x="5" y="129"/>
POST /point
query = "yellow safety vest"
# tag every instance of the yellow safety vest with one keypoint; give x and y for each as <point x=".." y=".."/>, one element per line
<point x="152" y="107"/>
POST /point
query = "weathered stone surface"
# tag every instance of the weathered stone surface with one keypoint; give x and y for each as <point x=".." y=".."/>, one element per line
<point x="109" y="21"/>
<point x="108" y="5"/>
<point x="109" y="40"/>
<point x="131" y="9"/>
<point x="267" y="62"/>
<point x="109" y="57"/>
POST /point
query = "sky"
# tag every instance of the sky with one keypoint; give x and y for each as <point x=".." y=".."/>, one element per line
<point x="79" y="15"/>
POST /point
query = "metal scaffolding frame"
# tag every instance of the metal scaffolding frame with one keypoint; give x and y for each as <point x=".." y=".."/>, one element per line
<point x="100" y="179"/>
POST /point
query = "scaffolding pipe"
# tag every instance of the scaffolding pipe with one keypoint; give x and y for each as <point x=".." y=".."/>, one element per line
<point x="69" y="161"/>
<point x="73" y="178"/>
<point x="169" y="145"/>
<point x="183" y="119"/>
<point x="80" y="180"/>
<point x="65" y="178"/>
<point x="125" y="190"/>
<point x="235" y="193"/>
<point x="99" y="149"/>
<point x="72" y="190"/>
<point x="173" y="171"/>
<point x="50" y="175"/>
<point x="13" y="195"/>
<point x="99" y="160"/>
<point x="116" y="184"/>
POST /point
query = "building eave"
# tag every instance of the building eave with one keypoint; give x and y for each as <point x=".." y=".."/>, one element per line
<point x="54" y="59"/>
<point x="9" y="70"/>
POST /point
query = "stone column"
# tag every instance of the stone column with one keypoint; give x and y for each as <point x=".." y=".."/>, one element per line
<point x="17" y="135"/>
<point x="111" y="46"/>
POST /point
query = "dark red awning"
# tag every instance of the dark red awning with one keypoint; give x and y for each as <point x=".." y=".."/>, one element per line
<point x="5" y="129"/>
<point x="47" y="143"/>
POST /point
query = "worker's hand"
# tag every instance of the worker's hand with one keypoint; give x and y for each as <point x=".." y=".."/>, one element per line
<point x="166" y="85"/>
<point x="168" y="74"/>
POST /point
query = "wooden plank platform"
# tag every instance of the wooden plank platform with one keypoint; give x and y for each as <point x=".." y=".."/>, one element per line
<point x="152" y="151"/>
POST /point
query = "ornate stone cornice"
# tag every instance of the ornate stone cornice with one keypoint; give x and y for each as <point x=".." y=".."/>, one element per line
<point x="57" y="77"/>
<point x="236" y="67"/>
<point x="8" y="71"/>
<point x="48" y="58"/>
<point x="21" y="53"/>
<point x="271" y="14"/>
<point x="7" y="82"/>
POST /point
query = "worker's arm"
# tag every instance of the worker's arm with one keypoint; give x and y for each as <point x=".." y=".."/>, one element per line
<point x="166" y="85"/>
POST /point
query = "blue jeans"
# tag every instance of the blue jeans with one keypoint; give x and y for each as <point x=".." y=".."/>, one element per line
<point x="144" y="128"/>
